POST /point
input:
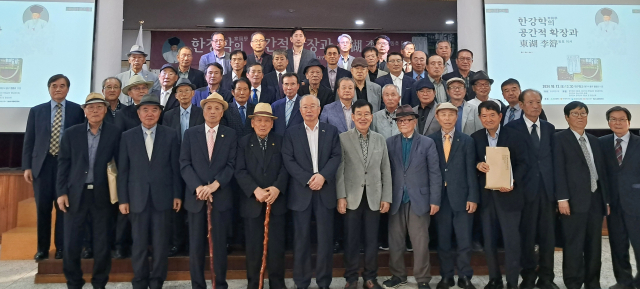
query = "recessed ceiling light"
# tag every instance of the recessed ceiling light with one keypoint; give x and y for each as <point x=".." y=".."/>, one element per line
<point x="359" y="22"/>
<point x="219" y="20"/>
<point x="449" y="22"/>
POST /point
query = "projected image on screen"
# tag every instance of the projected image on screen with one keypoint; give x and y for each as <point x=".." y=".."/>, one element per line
<point x="40" y="39"/>
<point x="568" y="52"/>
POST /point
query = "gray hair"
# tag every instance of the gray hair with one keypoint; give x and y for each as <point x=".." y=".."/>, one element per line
<point x="280" y="52"/>
<point x="443" y="40"/>
<point x="310" y="96"/>
<point x="257" y="33"/>
<point x="104" y="82"/>
<point x="389" y="85"/>
<point x="346" y="36"/>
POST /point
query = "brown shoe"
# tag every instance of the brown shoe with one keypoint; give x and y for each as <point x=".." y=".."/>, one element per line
<point x="371" y="284"/>
<point x="351" y="285"/>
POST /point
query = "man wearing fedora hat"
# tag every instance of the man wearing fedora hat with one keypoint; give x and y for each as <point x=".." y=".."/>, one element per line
<point x="481" y="85"/>
<point x="149" y="187"/>
<point x="311" y="85"/>
<point x="262" y="177"/>
<point x="417" y="184"/>
<point x="83" y="190"/>
<point x="137" y="58"/>
<point x="127" y="117"/>
<point x="207" y="161"/>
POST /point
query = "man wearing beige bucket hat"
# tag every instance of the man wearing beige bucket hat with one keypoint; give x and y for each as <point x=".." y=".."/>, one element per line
<point x="127" y="117"/>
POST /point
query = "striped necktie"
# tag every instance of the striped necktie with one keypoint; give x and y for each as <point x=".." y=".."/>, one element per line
<point x="54" y="143"/>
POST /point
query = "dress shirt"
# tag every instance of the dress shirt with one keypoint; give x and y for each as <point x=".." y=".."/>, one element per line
<point x="405" y="64"/>
<point x="54" y="109"/>
<point x="207" y="128"/>
<point x="364" y="144"/>
<point x="184" y="74"/>
<point x="184" y="119"/>
<point x="362" y="94"/>
<point x="296" y="58"/>
<point x="258" y="92"/>
<point x="397" y="81"/>
<point x="477" y="102"/>
<point x="625" y="142"/>
<point x="460" y="113"/>
<point x="344" y="62"/>
<point x="586" y="141"/>
<point x="312" y="138"/>
<point x="373" y="75"/>
<point x="347" y="114"/>
<point x="415" y="77"/>
<point x="448" y="67"/>
<point x="441" y="93"/>
<point x="245" y="108"/>
<point x="422" y="115"/>
<point x="529" y="124"/>
<point x="234" y="76"/>
<point x="450" y="135"/>
<point x="493" y="141"/>
<point x="93" y="140"/>
<point x="333" y="73"/>
<point x="164" y="96"/>
<point x="517" y="113"/>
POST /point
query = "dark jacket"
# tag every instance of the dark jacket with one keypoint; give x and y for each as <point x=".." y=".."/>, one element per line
<point x="624" y="179"/>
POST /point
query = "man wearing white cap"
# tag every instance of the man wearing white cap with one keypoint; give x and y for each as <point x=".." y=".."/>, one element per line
<point x="137" y="58"/>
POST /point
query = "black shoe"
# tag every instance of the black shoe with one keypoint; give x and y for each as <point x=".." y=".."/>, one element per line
<point x="409" y="246"/>
<point x="446" y="283"/>
<point x="423" y="285"/>
<point x="394" y="282"/>
<point x="337" y="247"/>
<point x="120" y="254"/>
<point x="351" y="285"/>
<point x="87" y="253"/>
<point x="371" y="284"/>
<point x="58" y="254"/>
<point x="384" y="246"/>
<point x="528" y="282"/>
<point x="229" y="249"/>
<point x="173" y="251"/>
<point x="620" y="286"/>
<point x="546" y="285"/>
<point x="477" y="247"/>
<point x="494" y="284"/>
<point x="98" y="287"/>
<point x="465" y="283"/>
<point x="511" y="286"/>
<point x="361" y="250"/>
<point x="323" y="287"/>
<point x="41" y="256"/>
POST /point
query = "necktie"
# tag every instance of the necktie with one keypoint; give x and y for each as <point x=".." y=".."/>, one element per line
<point x="148" y="143"/>
<point x="332" y="78"/>
<point x="535" y="138"/>
<point x="447" y="147"/>
<point x="619" y="151"/>
<point x="242" y="115"/>
<point x="254" y="97"/>
<point x="210" y="141"/>
<point x="263" y="145"/>
<point x="345" y="63"/>
<point x="288" y="110"/>
<point x="418" y="77"/>
<point x="54" y="143"/>
<point x="280" y="90"/>
<point x="512" y="114"/>
<point x="592" y="167"/>
<point x="184" y="123"/>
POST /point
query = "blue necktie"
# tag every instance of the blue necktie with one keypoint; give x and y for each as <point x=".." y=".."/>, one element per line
<point x="242" y="115"/>
<point x="512" y="115"/>
<point x="254" y="97"/>
<point x="288" y="110"/>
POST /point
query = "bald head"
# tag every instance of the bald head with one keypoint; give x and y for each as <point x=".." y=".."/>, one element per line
<point x="418" y="61"/>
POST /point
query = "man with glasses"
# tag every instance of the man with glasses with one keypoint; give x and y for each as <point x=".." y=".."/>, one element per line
<point x="463" y="62"/>
<point x="137" y="58"/>
<point x="333" y="72"/>
<point x="511" y="92"/>
<point x="399" y="79"/>
<point x="238" y="63"/>
<point x="467" y="117"/>
<point x="481" y="85"/>
<point x="258" y="44"/>
<point x="345" y="42"/>
<point x="381" y="42"/>
<point x="435" y="66"/>
<point x="370" y="54"/>
<point x="185" y="57"/>
<point x="217" y="54"/>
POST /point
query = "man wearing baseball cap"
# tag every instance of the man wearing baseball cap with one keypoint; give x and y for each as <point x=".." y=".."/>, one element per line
<point x="365" y="89"/>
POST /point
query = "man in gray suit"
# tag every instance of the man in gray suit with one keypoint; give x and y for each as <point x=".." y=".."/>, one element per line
<point x="338" y="113"/>
<point x="468" y="121"/>
<point x="137" y="58"/>
<point x="297" y="56"/>
<point x="384" y="121"/>
<point x="417" y="183"/>
<point x="365" y="89"/>
<point x="426" y="112"/>
<point x="362" y="202"/>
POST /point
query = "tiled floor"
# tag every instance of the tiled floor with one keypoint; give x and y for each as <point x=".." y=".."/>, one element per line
<point x="20" y="274"/>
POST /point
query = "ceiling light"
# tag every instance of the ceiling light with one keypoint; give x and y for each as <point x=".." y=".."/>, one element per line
<point x="219" y="20"/>
<point x="359" y="22"/>
<point x="449" y="22"/>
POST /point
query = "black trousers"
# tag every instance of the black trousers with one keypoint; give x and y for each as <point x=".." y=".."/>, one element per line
<point x="302" y="270"/>
<point x="356" y="222"/>
<point x="123" y="231"/>
<point x="538" y="226"/>
<point x="151" y="227"/>
<point x="75" y="232"/>
<point x="199" y="246"/>
<point x="494" y="219"/>
<point x="179" y="229"/>
<point x="624" y="228"/>
<point x="450" y="222"/>
<point x="254" y="237"/>
<point x="582" y="232"/>
<point x="44" y="189"/>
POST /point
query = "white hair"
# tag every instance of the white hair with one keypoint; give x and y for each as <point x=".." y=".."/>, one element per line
<point x="311" y="96"/>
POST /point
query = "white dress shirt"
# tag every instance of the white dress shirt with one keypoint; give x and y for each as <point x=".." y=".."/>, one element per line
<point x="164" y="96"/>
<point x="258" y="91"/>
<point x="312" y="138"/>
<point x="397" y="81"/>
<point x="206" y="130"/>
<point x="477" y="102"/>
<point x="529" y="124"/>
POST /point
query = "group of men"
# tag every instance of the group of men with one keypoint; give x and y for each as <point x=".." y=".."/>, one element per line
<point x="372" y="148"/>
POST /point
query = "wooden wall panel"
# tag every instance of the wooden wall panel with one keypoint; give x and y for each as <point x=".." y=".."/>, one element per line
<point x="13" y="189"/>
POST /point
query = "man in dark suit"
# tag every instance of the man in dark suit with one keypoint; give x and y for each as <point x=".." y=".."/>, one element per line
<point x="186" y="116"/>
<point x="260" y="92"/>
<point x="333" y="72"/>
<point x="418" y="65"/>
<point x="397" y="77"/>
<point x="259" y="56"/>
<point x="443" y="49"/>
<point x="417" y="184"/>
<point x="501" y="209"/>
<point x="207" y="159"/>
<point x="111" y="89"/>
<point x="168" y="78"/>
<point x="185" y="57"/>
<point x="262" y="177"/>
<point x="537" y="224"/>
<point x="287" y="109"/>
<point x="311" y="153"/>
<point x="238" y="63"/>
<point x="236" y="116"/>
<point x="583" y="198"/>
<point x="382" y="43"/>
<point x="149" y="186"/>
<point x="459" y="198"/>
<point x="511" y="92"/>
<point x="464" y="60"/>
<point x="623" y="164"/>
<point x="46" y="124"/>
<point x="83" y="190"/>
<point x="297" y="56"/>
<point x="213" y="77"/>
<point x="312" y="84"/>
<point x="274" y="78"/>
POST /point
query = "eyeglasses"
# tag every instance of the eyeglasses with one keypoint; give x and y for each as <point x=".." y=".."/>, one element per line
<point x="111" y="87"/>
<point x="405" y="121"/>
<point x="365" y="115"/>
<point x="395" y="61"/>
<point x="308" y="107"/>
<point x="618" y="120"/>
<point x="485" y="85"/>
<point x="463" y="59"/>
<point x="456" y="88"/>
<point x="217" y="40"/>
<point x="579" y="114"/>
<point x="259" y="41"/>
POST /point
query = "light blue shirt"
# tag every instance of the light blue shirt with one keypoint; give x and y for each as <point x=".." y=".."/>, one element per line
<point x="184" y="119"/>
<point x="244" y="110"/>
<point x="153" y="132"/>
<point x="54" y="109"/>
<point x="414" y="75"/>
<point x="493" y="141"/>
<point x="93" y="140"/>
<point x="517" y="113"/>
<point x="211" y="57"/>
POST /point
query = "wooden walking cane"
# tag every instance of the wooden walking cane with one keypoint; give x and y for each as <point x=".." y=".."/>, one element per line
<point x="265" y="245"/>
<point x="213" y="274"/>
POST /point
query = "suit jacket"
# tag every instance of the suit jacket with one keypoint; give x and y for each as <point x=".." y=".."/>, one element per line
<point x="267" y="62"/>
<point x="421" y="176"/>
<point x="306" y="56"/>
<point x="297" y="159"/>
<point x="197" y="170"/>
<point x="505" y="108"/>
<point x="257" y="170"/>
<point x="572" y="172"/>
<point x="204" y="92"/>
<point x="431" y="125"/>
<point x="268" y="94"/>
<point x="271" y="80"/>
<point x="73" y="164"/>
<point x="233" y="120"/>
<point x="624" y="180"/>
<point x="172" y="102"/>
<point x="332" y="114"/>
<point x="383" y="66"/>
<point x="37" y="135"/>
<point x="459" y="171"/>
<point x="172" y="119"/>
<point x="141" y="180"/>
<point x="340" y="74"/>
<point x="354" y="173"/>
<point x="197" y="78"/>
<point x="383" y="124"/>
<point x="325" y="95"/>
<point x="227" y="80"/>
<point x="512" y="139"/>
<point x="456" y="73"/>
<point x="541" y="161"/>
<point x="124" y="78"/>
<point x="380" y="74"/>
<point x="127" y="118"/>
<point x="278" y="108"/>
<point x="374" y="95"/>
<point x="408" y="96"/>
<point x="470" y="120"/>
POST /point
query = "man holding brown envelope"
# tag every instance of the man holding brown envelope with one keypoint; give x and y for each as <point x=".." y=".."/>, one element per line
<point x="501" y="205"/>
